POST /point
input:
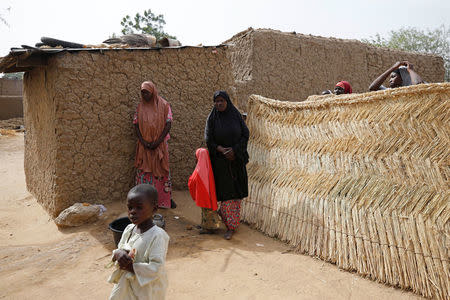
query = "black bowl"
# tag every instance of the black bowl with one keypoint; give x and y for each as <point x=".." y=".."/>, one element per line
<point x="117" y="227"/>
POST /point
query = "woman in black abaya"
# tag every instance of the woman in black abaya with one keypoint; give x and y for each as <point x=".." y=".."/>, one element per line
<point x="226" y="137"/>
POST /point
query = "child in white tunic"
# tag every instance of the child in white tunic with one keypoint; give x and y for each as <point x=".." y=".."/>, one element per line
<point x="141" y="253"/>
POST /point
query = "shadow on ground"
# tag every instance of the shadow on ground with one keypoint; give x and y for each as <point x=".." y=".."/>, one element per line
<point x="181" y="225"/>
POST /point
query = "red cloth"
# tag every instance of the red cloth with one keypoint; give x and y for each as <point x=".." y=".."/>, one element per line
<point x="346" y="86"/>
<point x="201" y="183"/>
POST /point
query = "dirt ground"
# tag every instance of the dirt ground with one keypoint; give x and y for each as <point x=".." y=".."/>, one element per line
<point x="40" y="261"/>
<point x="11" y="123"/>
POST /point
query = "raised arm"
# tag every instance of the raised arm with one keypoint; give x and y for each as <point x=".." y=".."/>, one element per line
<point x="415" y="78"/>
<point x="375" y="85"/>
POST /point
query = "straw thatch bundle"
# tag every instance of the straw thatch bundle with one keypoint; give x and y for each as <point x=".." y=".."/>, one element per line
<point x="358" y="180"/>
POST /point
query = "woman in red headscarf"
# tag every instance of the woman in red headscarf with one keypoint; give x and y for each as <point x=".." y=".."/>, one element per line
<point x="203" y="191"/>
<point x="342" y="87"/>
<point x="152" y="121"/>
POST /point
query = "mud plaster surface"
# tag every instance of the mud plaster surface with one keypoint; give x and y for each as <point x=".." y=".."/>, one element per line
<point x="290" y="67"/>
<point x="10" y="98"/>
<point x="80" y="141"/>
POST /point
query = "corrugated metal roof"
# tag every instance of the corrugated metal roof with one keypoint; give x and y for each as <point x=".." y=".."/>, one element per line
<point x="27" y="57"/>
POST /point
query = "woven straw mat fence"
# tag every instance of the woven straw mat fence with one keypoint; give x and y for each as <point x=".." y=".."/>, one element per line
<point x="358" y="180"/>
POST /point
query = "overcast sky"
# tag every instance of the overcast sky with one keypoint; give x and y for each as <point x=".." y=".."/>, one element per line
<point x="212" y="22"/>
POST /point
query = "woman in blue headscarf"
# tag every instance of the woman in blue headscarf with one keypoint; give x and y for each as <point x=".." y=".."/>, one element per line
<point x="226" y="137"/>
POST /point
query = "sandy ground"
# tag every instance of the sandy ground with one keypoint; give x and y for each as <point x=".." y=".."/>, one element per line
<point x="39" y="261"/>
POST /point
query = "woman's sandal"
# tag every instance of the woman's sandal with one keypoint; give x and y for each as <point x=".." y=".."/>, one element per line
<point x="172" y="204"/>
<point x="228" y="234"/>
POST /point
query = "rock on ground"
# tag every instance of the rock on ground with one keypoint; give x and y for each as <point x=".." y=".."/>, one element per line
<point x="78" y="214"/>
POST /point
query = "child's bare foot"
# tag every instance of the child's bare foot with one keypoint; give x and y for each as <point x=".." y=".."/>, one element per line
<point x="228" y="234"/>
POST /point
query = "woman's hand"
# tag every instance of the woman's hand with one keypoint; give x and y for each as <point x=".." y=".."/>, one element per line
<point x="155" y="144"/>
<point x="229" y="154"/>
<point x="220" y="149"/>
<point x="151" y="145"/>
<point x="399" y="64"/>
<point x="145" y="144"/>
<point x="409" y="65"/>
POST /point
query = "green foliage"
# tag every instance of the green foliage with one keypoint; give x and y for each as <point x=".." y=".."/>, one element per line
<point x="436" y="41"/>
<point x="148" y="23"/>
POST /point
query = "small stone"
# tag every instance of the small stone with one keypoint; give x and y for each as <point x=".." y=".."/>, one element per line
<point x="78" y="214"/>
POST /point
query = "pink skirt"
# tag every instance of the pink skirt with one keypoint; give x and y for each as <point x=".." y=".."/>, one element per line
<point x="162" y="184"/>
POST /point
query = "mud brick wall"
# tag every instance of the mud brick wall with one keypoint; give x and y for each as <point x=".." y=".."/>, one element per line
<point x="40" y="138"/>
<point x="291" y="67"/>
<point x="10" y="87"/>
<point x="241" y="56"/>
<point x="10" y="98"/>
<point x="11" y="107"/>
<point x="80" y="143"/>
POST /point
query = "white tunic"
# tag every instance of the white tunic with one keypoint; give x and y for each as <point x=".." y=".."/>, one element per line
<point x="149" y="280"/>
